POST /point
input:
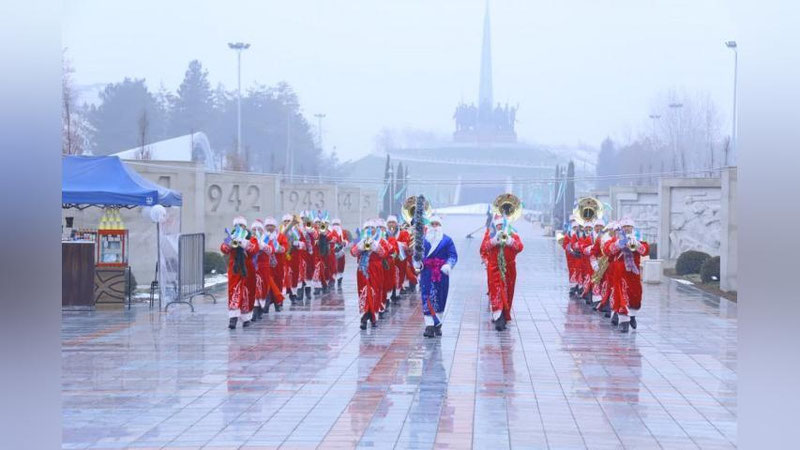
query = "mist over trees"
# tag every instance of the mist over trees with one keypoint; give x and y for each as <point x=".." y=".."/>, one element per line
<point x="130" y="115"/>
<point x="683" y="137"/>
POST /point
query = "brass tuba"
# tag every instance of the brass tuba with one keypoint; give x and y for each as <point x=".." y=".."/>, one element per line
<point x="588" y="210"/>
<point x="507" y="205"/>
<point x="410" y="206"/>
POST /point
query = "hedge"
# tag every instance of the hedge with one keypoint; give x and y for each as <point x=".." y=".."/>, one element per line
<point x="709" y="271"/>
<point x="690" y="262"/>
<point x="214" y="262"/>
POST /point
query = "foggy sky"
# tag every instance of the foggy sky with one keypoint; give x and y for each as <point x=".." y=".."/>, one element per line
<point x="580" y="69"/>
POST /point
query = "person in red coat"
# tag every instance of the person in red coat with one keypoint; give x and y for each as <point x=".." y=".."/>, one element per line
<point x="499" y="249"/>
<point x="385" y="267"/>
<point x="411" y="274"/>
<point x="570" y="238"/>
<point x="294" y="255"/>
<point x="369" y="259"/>
<point x="262" y="271"/>
<point x="307" y="234"/>
<point x="584" y="247"/>
<point x="331" y="263"/>
<point x="402" y="240"/>
<point x="390" y="279"/>
<point x="277" y="262"/>
<point x="342" y="244"/>
<point x="604" y="270"/>
<point x="240" y="247"/>
<point x="625" y="252"/>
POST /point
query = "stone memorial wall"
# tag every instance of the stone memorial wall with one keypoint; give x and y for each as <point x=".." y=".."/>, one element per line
<point x="690" y="217"/>
<point x="211" y="200"/>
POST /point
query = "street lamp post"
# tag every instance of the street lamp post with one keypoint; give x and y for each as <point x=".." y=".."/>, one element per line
<point x="675" y="107"/>
<point x="654" y="117"/>
<point x="239" y="47"/>
<point x="732" y="45"/>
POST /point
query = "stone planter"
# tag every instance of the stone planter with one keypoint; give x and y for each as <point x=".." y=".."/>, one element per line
<point x="652" y="271"/>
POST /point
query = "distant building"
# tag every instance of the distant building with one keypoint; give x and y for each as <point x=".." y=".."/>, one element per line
<point x="191" y="147"/>
<point x="484" y="158"/>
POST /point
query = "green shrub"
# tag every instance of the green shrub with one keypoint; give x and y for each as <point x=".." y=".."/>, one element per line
<point x="132" y="285"/>
<point x="709" y="271"/>
<point x="653" y="250"/>
<point x="214" y="261"/>
<point x="690" y="262"/>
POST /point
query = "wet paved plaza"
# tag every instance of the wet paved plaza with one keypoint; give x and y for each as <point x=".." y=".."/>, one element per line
<point x="307" y="377"/>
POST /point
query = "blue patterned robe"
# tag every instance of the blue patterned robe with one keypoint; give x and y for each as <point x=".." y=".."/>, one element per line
<point x="433" y="283"/>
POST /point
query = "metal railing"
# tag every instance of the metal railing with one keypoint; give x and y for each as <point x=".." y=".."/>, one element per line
<point x="191" y="279"/>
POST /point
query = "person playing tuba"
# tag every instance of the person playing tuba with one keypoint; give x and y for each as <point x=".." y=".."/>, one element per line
<point x="499" y="249"/>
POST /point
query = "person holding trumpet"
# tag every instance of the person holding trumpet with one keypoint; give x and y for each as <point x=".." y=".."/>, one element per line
<point x="624" y="252"/>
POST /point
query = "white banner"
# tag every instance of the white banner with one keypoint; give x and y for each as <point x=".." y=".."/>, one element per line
<point x="169" y="234"/>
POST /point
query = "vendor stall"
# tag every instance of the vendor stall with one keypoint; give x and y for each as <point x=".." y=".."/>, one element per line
<point x="104" y="182"/>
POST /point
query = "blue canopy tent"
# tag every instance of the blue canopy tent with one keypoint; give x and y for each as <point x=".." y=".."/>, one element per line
<point x="106" y="181"/>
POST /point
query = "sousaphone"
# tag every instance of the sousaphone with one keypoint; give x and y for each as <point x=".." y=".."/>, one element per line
<point x="588" y="210"/>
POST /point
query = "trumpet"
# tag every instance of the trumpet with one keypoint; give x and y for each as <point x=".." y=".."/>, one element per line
<point x="309" y="223"/>
<point x="368" y="245"/>
<point x="633" y="244"/>
<point x="323" y="227"/>
<point x="503" y="236"/>
<point x="234" y="243"/>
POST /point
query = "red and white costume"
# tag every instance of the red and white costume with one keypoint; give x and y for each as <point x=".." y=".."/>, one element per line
<point x="342" y="243"/>
<point x="500" y="257"/>
<point x="402" y="239"/>
<point x="277" y="243"/>
<point x="625" y="278"/>
<point x="368" y="268"/>
<point x="241" y="274"/>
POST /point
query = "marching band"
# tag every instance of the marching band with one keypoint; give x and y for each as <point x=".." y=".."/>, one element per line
<point x="305" y="255"/>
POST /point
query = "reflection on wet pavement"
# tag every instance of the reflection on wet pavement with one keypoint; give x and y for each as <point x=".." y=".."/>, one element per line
<point x="307" y="377"/>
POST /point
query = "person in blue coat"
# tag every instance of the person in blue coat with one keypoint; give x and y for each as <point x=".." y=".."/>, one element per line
<point x="438" y="261"/>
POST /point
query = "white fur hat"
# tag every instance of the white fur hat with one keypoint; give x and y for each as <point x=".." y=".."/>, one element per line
<point x="369" y="224"/>
<point x="380" y="222"/>
<point x="257" y="224"/>
<point x="435" y="218"/>
<point x="239" y="220"/>
<point x="286" y="217"/>
<point x="270" y="221"/>
<point x="336" y="221"/>
<point x="391" y="218"/>
<point x="600" y="222"/>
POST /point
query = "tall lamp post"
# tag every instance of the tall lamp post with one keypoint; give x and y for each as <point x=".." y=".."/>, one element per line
<point x="732" y="45"/>
<point x="675" y="107"/>
<point x="239" y="47"/>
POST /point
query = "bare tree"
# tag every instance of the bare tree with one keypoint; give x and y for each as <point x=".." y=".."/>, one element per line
<point x="144" y="152"/>
<point x="74" y="133"/>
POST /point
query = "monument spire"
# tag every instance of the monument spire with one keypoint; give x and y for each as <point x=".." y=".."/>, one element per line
<point x="485" y="88"/>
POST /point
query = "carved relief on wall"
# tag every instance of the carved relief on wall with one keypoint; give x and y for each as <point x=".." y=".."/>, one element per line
<point x="695" y="220"/>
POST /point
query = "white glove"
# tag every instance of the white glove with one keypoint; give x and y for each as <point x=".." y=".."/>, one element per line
<point x="268" y="249"/>
<point x="417" y="266"/>
<point x="446" y="269"/>
<point x="495" y="241"/>
<point x="361" y="246"/>
<point x="298" y="245"/>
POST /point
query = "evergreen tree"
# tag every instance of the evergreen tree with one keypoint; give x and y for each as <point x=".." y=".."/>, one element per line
<point x="193" y="108"/>
<point x="116" y="120"/>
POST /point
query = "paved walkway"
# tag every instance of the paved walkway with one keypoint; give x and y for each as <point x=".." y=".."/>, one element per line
<point x="560" y="377"/>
